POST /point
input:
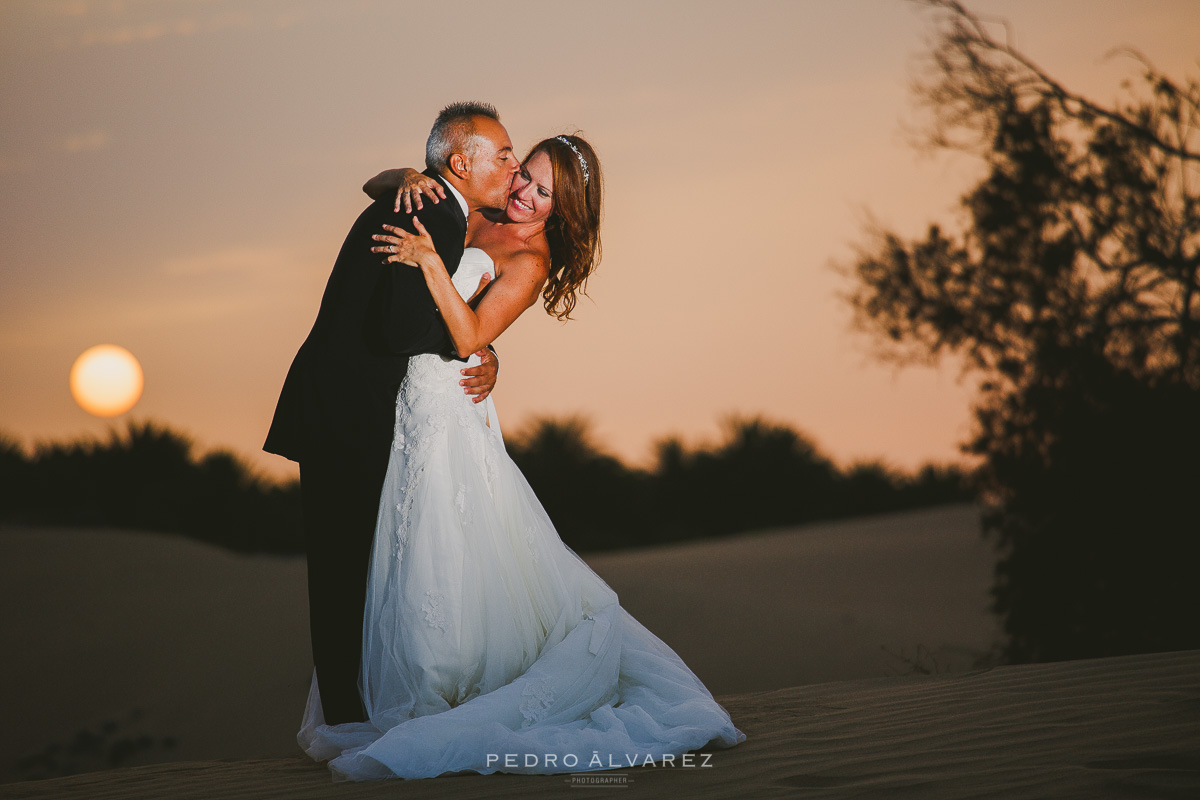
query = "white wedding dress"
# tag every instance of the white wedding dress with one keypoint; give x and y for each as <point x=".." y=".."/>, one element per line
<point x="488" y="645"/>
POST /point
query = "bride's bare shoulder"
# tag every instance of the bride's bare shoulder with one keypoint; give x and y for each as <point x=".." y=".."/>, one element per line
<point x="530" y="263"/>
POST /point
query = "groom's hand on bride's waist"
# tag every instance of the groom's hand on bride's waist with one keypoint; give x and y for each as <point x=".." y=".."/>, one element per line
<point x="479" y="381"/>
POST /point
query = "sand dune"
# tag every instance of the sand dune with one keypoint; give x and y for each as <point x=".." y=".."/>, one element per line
<point x="167" y="639"/>
<point x="1122" y="727"/>
<point x="818" y="603"/>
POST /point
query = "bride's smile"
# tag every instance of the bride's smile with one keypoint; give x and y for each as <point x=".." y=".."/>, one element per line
<point x="532" y="196"/>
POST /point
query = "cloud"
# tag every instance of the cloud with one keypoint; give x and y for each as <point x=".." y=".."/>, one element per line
<point x="88" y="142"/>
<point x="238" y="259"/>
<point x="143" y="32"/>
<point x="148" y="31"/>
<point x="78" y="8"/>
<point x="81" y="8"/>
<point x="206" y="288"/>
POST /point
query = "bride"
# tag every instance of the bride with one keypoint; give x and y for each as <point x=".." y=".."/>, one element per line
<point x="488" y="645"/>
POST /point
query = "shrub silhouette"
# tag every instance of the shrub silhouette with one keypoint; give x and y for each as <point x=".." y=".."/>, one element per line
<point x="594" y="500"/>
<point x="146" y="478"/>
<point x="762" y="474"/>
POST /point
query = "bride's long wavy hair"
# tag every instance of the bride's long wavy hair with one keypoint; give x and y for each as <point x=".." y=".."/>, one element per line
<point x="573" y="229"/>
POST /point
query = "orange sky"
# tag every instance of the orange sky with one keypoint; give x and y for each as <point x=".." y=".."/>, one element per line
<point x="177" y="178"/>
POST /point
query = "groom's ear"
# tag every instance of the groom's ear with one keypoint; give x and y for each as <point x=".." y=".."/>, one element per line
<point x="460" y="165"/>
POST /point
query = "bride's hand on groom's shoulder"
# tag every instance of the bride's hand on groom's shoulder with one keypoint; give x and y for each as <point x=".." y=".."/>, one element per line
<point x="413" y="185"/>
<point x="408" y="184"/>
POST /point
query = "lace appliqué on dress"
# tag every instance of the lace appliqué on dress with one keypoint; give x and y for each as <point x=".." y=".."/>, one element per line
<point x="435" y="611"/>
<point x="460" y="502"/>
<point x="424" y="429"/>
<point x="536" y="699"/>
<point x="401" y="543"/>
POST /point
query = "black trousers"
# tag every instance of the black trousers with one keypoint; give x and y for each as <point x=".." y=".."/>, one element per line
<point x="341" y="501"/>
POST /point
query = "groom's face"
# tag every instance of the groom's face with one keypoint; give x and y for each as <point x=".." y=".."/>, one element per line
<point x="493" y="163"/>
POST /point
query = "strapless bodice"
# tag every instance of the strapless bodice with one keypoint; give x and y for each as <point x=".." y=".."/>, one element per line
<point x="471" y="268"/>
<point x="432" y="380"/>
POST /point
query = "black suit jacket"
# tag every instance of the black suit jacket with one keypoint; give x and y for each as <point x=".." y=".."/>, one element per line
<point x="339" y="398"/>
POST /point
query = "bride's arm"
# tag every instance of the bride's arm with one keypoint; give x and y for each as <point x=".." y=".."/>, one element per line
<point x="408" y="184"/>
<point x="506" y="299"/>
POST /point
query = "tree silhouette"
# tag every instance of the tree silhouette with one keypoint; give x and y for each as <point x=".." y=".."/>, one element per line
<point x="1073" y="291"/>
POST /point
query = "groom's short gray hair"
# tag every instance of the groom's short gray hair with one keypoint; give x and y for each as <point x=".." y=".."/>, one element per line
<point x="454" y="131"/>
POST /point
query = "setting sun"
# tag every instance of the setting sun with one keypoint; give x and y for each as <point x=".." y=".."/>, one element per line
<point x="106" y="380"/>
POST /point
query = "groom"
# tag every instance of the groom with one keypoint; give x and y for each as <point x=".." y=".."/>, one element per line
<point x="336" y="412"/>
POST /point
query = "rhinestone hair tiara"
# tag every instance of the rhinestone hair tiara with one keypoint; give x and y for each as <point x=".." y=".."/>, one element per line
<point x="582" y="161"/>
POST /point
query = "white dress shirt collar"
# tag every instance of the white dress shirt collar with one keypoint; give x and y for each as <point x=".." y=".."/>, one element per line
<point x="457" y="196"/>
